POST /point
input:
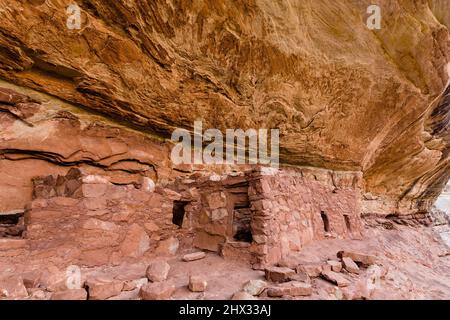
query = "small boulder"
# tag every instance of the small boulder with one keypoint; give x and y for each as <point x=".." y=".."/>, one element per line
<point x="336" y="266"/>
<point x="12" y="288"/>
<point x="363" y="259"/>
<point x="133" y="284"/>
<point x="335" y="278"/>
<point x="194" y="256"/>
<point x="71" y="294"/>
<point x="254" y="287"/>
<point x="350" y="265"/>
<point x="158" y="271"/>
<point x="157" y="291"/>
<point x="312" y="270"/>
<point x="278" y="274"/>
<point x="293" y="288"/>
<point x="300" y="277"/>
<point x="197" y="284"/>
<point x="38" y="294"/>
<point x="101" y="289"/>
<point x="32" y="279"/>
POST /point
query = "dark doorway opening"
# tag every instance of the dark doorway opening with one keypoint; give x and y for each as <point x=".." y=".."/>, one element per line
<point x="11" y="224"/>
<point x="242" y="218"/>
<point x="178" y="212"/>
<point x="347" y="222"/>
<point x="326" y="223"/>
<point x="239" y="223"/>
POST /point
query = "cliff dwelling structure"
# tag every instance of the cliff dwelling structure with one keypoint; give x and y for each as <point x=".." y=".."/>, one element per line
<point x="93" y="205"/>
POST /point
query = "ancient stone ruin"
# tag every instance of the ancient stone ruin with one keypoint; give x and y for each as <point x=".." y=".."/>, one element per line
<point x="93" y="205"/>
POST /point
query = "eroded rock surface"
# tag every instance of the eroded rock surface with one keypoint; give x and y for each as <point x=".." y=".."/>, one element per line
<point x="86" y="116"/>
<point x="344" y="97"/>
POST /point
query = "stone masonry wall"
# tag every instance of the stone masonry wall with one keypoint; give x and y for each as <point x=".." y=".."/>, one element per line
<point x="89" y="221"/>
<point x="258" y="215"/>
<point x="283" y="211"/>
<point x="288" y="208"/>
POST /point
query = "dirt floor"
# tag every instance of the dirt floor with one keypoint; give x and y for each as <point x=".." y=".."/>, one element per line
<point x="411" y="263"/>
<point x="415" y="265"/>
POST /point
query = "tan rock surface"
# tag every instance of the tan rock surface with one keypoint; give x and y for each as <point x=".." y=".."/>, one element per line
<point x="85" y="118"/>
<point x="310" y="69"/>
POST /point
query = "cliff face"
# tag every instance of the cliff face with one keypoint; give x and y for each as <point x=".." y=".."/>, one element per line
<point x="344" y="97"/>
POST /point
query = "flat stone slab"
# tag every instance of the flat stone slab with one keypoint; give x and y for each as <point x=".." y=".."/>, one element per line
<point x="335" y="278"/>
<point x="255" y="287"/>
<point x="194" y="256"/>
<point x="293" y="288"/>
<point x="10" y="244"/>
<point x="157" y="291"/>
<point x="350" y="265"/>
<point x="279" y="274"/>
<point x="362" y="258"/>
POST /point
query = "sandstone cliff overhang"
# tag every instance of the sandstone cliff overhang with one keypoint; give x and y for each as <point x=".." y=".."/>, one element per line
<point x="344" y="97"/>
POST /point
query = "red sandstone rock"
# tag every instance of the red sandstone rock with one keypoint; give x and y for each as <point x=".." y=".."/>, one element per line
<point x="151" y="226"/>
<point x="158" y="271"/>
<point x="12" y="287"/>
<point x="124" y="215"/>
<point x="95" y="179"/>
<point x="168" y="246"/>
<point x="254" y="287"/>
<point x="9" y="244"/>
<point x="38" y="294"/>
<point x="300" y="277"/>
<point x="197" y="284"/>
<point x="101" y="289"/>
<point x="204" y="240"/>
<point x="312" y="270"/>
<point x="336" y="266"/>
<point x="172" y="195"/>
<point x="32" y="279"/>
<point x="194" y="256"/>
<point x="216" y="200"/>
<point x="54" y="279"/>
<point x="64" y="201"/>
<point x="71" y="294"/>
<point x="93" y="224"/>
<point x="335" y="278"/>
<point x="278" y="274"/>
<point x="350" y="265"/>
<point x="241" y="295"/>
<point x="363" y="259"/>
<point x="134" y="284"/>
<point x="292" y="288"/>
<point x="95" y="203"/>
<point x="157" y="291"/>
<point x="94" y="190"/>
<point x="136" y="242"/>
<point x="96" y="257"/>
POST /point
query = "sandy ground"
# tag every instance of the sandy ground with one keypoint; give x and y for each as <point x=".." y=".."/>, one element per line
<point x="415" y="264"/>
<point x="415" y="261"/>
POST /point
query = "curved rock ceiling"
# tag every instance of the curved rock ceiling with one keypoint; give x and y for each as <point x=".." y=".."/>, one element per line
<point x="344" y="97"/>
